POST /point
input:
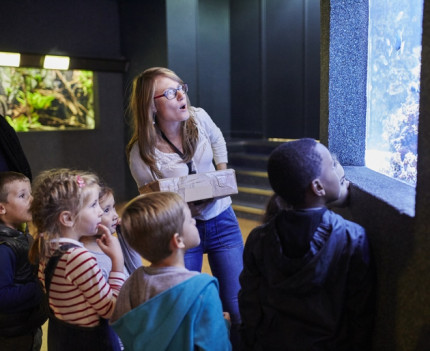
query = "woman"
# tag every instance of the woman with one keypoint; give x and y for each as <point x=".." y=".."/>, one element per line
<point x="172" y="139"/>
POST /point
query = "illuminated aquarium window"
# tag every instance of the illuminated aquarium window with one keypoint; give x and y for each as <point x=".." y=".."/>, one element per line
<point x="33" y="99"/>
<point x="393" y="87"/>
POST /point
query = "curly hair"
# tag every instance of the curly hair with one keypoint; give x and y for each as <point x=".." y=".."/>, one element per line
<point x="55" y="191"/>
<point x="292" y="167"/>
<point x="149" y="222"/>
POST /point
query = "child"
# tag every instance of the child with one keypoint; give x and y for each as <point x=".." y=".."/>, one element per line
<point x="111" y="220"/>
<point x="21" y="312"/>
<point x="65" y="208"/>
<point x="165" y="306"/>
<point x="307" y="277"/>
<point x="275" y="203"/>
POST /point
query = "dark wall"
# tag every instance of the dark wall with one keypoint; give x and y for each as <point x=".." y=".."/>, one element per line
<point x="144" y="44"/>
<point x="247" y="105"/>
<point x="143" y="35"/>
<point x="183" y="43"/>
<point x="275" y="68"/>
<point x="83" y="29"/>
<point x="198" y="35"/>
<point x="213" y="57"/>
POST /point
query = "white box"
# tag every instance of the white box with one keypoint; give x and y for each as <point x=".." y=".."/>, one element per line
<point x="198" y="186"/>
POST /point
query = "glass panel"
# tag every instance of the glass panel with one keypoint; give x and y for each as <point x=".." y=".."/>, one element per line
<point x="42" y="99"/>
<point x="393" y="86"/>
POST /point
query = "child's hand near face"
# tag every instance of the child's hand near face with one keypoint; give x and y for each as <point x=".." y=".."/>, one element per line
<point x="110" y="245"/>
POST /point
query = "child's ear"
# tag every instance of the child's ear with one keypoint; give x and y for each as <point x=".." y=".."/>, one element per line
<point x="317" y="187"/>
<point x="2" y="209"/>
<point x="177" y="241"/>
<point x="66" y="219"/>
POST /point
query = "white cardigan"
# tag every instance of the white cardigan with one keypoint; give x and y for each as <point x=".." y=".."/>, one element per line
<point x="210" y="146"/>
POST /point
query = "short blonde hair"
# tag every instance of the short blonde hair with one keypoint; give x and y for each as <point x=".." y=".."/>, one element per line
<point x="149" y="222"/>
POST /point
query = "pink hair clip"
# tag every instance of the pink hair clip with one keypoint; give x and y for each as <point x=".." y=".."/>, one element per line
<point x="80" y="181"/>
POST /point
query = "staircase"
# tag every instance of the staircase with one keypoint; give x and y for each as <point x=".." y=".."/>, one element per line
<point x="249" y="159"/>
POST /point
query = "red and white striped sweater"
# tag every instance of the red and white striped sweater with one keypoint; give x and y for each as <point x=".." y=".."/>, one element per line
<point x="79" y="294"/>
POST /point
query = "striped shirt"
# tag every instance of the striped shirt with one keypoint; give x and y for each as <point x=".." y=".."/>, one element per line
<point x="79" y="294"/>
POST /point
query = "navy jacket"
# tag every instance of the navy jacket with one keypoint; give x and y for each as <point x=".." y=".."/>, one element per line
<point x="307" y="284"/>
<point x="22" y="306"/>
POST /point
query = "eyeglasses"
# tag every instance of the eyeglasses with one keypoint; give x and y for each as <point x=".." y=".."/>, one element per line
<point x="171" y="93"/>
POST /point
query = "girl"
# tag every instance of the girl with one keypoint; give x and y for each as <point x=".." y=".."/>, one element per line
<point x="172" y="139"/>
<point x="111" y="220"/>
<point x="65" y="208"/>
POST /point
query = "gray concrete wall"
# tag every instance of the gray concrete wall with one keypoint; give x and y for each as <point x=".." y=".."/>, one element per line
<point x="396" y="216"/>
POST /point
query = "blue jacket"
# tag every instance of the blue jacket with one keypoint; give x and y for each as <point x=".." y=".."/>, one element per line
<point x="307" y="284"/>
<point x="185" y="317"/>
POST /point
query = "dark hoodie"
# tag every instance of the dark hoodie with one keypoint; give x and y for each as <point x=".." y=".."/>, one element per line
<point x="12" y="157"/>
<point x="306" y="284"/>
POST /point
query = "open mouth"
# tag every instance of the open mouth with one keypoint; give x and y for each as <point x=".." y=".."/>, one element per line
<point x="183" y="107"/>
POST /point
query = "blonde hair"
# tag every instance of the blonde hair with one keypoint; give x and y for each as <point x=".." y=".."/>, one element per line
<point x="149" y="222"/>
<point x="145" y="133"/>
<point x="55" y="191"/>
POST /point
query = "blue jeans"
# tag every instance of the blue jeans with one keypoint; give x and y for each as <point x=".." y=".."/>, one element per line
<point x="222" y="240"/>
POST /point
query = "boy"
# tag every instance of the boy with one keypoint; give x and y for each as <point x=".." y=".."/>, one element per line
<point x="165" y="306"/>
<point x="275" y="203"/>
<point x="307" y="277"/>
<point x="21" y="313"/>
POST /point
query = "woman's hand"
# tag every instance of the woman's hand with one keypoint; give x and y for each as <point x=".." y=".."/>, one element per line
<point x="110" y="245"/>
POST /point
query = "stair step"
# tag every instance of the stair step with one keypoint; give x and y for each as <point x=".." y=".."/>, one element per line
<point x="256" y="191"/>
<point x="252" y="178"/>
<point x="248" y="211"/>
<point x="255" y="146"/>
<point x="261" y="174"/>
<point x="255" y="162"/>
<point x="249" y="159"/>
<point x="252" y="195"/>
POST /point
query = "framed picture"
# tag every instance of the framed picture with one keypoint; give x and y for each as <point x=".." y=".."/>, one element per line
<point x="34" y="99"/>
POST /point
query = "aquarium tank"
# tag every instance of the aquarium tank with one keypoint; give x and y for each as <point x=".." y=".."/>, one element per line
<point x="393" y="87"/>
<point x="33" y="99"/>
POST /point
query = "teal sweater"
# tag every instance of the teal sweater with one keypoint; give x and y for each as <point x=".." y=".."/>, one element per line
<point x="185" y="317"/>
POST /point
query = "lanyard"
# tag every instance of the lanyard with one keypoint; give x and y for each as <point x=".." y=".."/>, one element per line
<point x="181" y="155"/>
